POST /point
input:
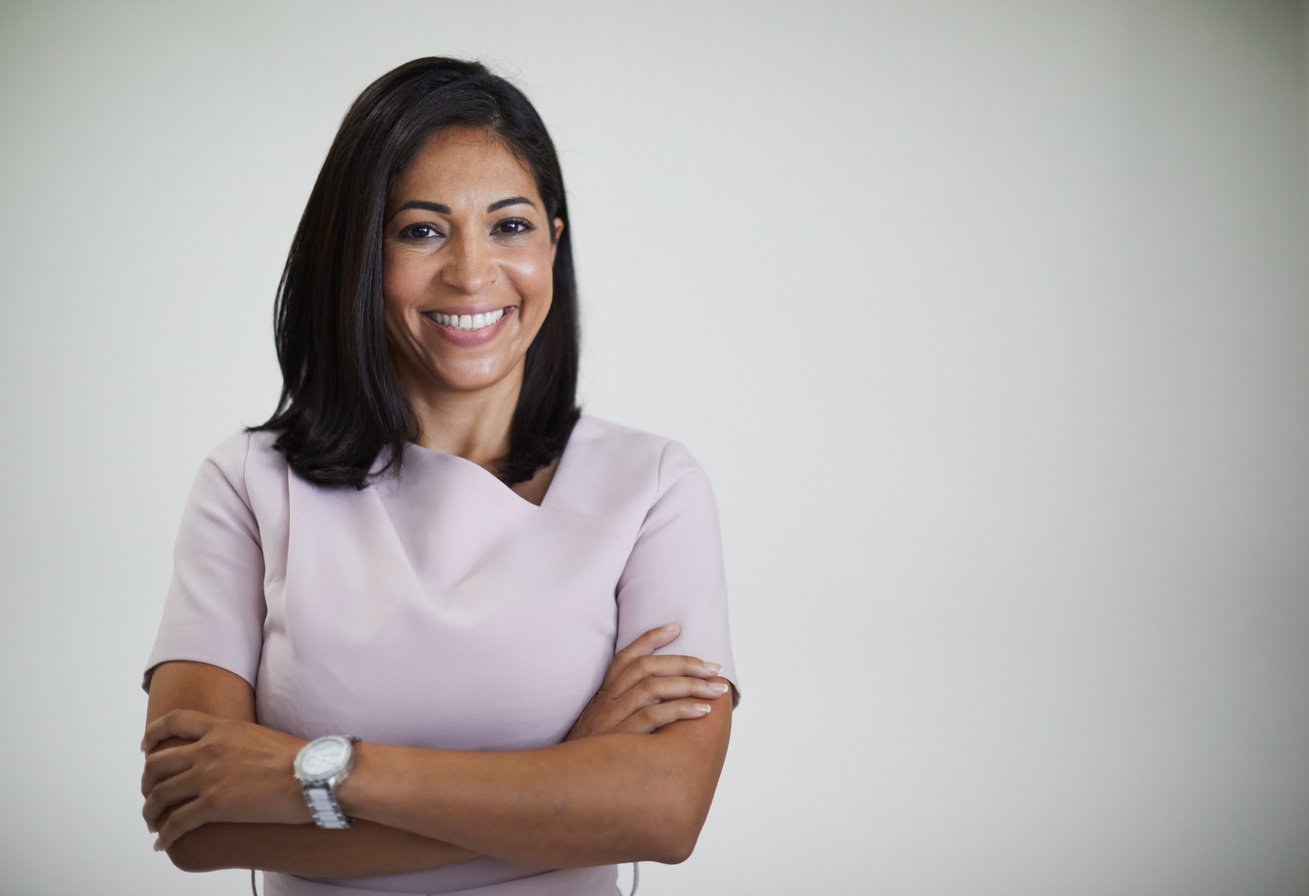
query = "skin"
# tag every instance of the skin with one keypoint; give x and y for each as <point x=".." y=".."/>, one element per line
<point x="209" y="767"/>
<point x="634" y="778"/>
<point x="464" y="397"/>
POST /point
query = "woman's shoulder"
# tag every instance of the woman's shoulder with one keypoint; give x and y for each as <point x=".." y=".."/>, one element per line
<point x="607" y="436"/>
<point x="239" y="448"/>
<point x="607" y="433"/>
<point x="243" y="457"/>
<point x="613" y="452"/>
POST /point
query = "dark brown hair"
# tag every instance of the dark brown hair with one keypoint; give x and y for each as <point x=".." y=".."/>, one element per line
<point x="341" y="401"/>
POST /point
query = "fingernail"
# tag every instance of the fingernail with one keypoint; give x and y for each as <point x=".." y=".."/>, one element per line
<point x="157" y="849"/>
<point x="719" y="687"/>
<point x="713" y="668"/>
<point x="702" y="707"/>
<point x="670" y="627"/>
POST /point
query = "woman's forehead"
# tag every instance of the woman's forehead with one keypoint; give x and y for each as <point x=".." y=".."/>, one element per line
<point x="464" y="163"/>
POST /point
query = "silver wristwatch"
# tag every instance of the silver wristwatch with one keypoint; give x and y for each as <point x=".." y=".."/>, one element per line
<point x="320" y="767"/>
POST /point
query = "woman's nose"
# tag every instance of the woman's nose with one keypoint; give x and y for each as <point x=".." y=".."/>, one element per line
<point x="469" y="265"/>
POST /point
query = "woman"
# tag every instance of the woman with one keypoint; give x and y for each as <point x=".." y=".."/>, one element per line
<point x="427" y="548"/>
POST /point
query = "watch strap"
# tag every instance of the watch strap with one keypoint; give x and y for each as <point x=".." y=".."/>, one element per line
<point x="321" y="800"/>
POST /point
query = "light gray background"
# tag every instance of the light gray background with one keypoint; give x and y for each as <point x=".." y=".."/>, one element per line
<point x="990" y="321"/>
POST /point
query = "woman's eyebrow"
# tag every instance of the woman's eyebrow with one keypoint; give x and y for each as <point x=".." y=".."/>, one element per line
<point x="423" y="204"/>
<point x="512" y="200"/>
<point x="445" y="209"/>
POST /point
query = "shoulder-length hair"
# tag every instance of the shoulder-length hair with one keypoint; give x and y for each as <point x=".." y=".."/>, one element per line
<point x="342" y="402"/>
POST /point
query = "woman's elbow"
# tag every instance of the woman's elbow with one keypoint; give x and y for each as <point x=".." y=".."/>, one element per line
<point x="675" y="852"/>
<point x="185" y="859"/>
<point x="679" y="833"/>
<point x="194" y="853"/>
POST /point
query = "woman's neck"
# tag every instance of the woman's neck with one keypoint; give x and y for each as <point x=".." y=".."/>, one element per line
<point x="472" y="425"/>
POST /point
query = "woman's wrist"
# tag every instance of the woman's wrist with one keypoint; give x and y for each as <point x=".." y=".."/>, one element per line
<point x="347" y="790"/>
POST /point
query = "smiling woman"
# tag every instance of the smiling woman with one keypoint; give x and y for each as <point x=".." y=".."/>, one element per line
<point x="467" y="280"/>
<point x="419" y="635"/>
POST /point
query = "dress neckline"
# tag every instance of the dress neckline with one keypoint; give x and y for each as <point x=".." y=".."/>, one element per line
<point x="476" y="472"/>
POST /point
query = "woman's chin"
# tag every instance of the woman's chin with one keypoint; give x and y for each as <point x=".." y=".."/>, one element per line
<point x="488" y="376"/>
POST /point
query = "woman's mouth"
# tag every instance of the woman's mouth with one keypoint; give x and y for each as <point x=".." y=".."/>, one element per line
<point x="469" y="329"/>
<point x="466" y="321"/>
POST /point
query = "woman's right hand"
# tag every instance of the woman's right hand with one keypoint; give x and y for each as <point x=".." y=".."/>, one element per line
<point x="642" y="693"/>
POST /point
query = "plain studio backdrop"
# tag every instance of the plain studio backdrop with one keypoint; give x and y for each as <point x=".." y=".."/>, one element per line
<point x="989" y="320"/>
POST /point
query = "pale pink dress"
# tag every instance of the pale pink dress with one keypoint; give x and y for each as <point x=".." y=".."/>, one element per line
<point x="441" y="609"/>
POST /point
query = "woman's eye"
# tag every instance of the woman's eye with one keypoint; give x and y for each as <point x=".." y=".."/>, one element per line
<point x="419" y="232"/>
<point x="514" y="226"/>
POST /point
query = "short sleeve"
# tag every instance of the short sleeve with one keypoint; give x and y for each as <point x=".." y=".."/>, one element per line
<point x="215" y="608"/>
<point x="675" y="571"/>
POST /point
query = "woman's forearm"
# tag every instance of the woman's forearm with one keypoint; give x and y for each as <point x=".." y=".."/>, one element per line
<point x="612" y="798"/>
<point x="365" y="849"/>
<point x="603" y="798"/>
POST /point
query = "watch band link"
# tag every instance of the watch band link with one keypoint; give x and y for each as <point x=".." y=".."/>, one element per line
<point x="324" y="807"/>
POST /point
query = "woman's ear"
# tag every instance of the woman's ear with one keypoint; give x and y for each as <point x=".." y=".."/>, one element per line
<point x="554" y="242"/>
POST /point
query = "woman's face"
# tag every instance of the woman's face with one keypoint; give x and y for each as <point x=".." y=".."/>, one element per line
<point x="466" y="266"/>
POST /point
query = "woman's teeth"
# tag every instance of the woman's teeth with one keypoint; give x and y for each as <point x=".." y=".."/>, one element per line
<point x="467" y="321"/>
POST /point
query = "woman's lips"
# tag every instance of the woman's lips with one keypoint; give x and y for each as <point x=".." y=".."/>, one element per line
<point x="449" y="324"/>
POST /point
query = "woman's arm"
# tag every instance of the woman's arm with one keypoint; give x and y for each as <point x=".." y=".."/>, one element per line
<point x="614" y="797"/>
<point x="641" y="693"/>
<point x="365" y="849"/>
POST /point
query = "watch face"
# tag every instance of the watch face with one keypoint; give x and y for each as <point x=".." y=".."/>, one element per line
<point x="323" y="757"/>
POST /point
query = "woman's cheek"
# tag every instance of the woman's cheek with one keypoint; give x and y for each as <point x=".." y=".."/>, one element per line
<point x="533" y="280"/>
<point x="404" y="276"/>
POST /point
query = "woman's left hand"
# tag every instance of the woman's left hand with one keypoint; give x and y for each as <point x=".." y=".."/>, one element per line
<point x="231" y="771"/>
<point x="642" y="693"/>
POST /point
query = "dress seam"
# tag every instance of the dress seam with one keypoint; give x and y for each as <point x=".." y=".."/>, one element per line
<point x="244" y="493"/>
